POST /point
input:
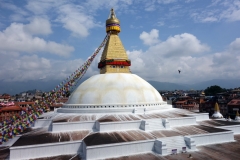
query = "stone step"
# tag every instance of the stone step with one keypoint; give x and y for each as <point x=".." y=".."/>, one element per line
<point x="175" y="143"/>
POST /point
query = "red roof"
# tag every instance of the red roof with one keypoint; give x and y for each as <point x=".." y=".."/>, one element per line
<point x="234" y="102"/>
<point x="5" y="97"/>
<point x="11" y="108"/>
<point x="20" y="103"/>
<point x="188" y="105"/>
<point x="57" y="105"/>
<point x="181" y="101"/>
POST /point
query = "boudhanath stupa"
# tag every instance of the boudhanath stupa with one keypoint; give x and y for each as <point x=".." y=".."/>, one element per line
<point x="217" y="113"/>
<point x="118" y="115"/>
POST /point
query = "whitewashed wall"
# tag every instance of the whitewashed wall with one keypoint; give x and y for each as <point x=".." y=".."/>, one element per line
<point x="118" y="149"/>
<point x="234" y="128"/>
<point x="190" y="142"/>
<point x="42" y="123"/>
<point x="95" y="110"/>
<point x="45" y="150"/>
<point x="166" y="123"/>
<point x="181" y="121"/>
<point x="73" y="126"/>
<point x="153" y="109"/>
<point x="200" y="116"/>
<point x="212" y="138"/>
<point x="113" y="108"/>
<point x="118" y="126"/>
<point x="160" y="147"/>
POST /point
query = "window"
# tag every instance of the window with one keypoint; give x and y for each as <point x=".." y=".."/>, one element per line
<point x="114" y="66"/>
<point x="121" y="66"/>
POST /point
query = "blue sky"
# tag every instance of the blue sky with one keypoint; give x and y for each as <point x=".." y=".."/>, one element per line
<point x="49" y="39"/>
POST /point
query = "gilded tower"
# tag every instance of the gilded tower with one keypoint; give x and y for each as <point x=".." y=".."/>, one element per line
<point x="114" y="57"/>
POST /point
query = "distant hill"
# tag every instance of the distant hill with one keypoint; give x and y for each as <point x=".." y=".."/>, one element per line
<point x="16" y="87"/>
<point x="168" y="86"/>
<point x="224" y="83"/>
<point x="13" y="88"/>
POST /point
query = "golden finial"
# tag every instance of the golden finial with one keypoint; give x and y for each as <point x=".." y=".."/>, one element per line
<point x="216" y="108"/>
<point x="112" y="23"/>
<point x="237" y="114"/>
<point x="112" y="14"/>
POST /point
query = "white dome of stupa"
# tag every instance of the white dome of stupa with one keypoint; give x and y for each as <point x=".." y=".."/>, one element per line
<point x="115" y="88"/>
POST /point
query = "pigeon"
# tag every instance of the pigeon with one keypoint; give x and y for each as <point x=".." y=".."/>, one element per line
<point x="179" y="71"/>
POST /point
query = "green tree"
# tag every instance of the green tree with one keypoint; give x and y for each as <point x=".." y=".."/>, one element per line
<point x="213" y="90"/>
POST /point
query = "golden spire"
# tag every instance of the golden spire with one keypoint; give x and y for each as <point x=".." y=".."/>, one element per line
<point x="216" y="108"/>
<point x="114" y="57"/>
<point x="237" y="114"/>
<point x="112" y="23"/>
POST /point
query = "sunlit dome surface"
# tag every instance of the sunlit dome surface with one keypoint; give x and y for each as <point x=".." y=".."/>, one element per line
<point x="115" y="88"/>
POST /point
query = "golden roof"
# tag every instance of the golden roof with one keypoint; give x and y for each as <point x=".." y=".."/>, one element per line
<point x="216" y="108"/>
<point x="112" y="18"/>
<point x="114" y="58"/>
<point x="114" y="49"/>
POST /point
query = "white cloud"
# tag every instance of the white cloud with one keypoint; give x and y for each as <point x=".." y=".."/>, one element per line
<point x="72" y="16"/>
<point x="228" y="59"/>
<point x="18" y="13"/>
<point x="235" y="45"/>
<point x="210" y="19"/>
<point x="232" y="11"/>
<point x="166" y="1"/>
<point x="149" y="38"/>
<point x="38" y="26"/>
<point x="179" y="45"/>
<point x="162" y="60"/>
<point x="18" y="68"/>
<point x="161" y="23"/>
<point x="150" y="6"/>
<point x="75" y="20"/>
<point x="32" y="67"/>
<point x="218" y="11"/>
<point x="17" y="37"/>
<point x="42" y="7"/>
<point x="17" y="18"/>
<point x="135" y="27"/>
<point x="173" y="26"/>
